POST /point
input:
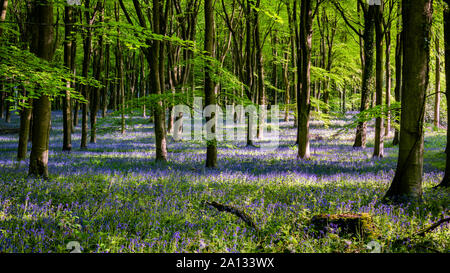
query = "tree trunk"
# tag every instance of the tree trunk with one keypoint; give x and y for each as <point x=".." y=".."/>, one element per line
<point x="43" y="16"/>
<point x="98" y="66"/>
<point x="120" y="88"/>
<point x="293" y="43"/>
<point x="210" y="96"/>
<point x="87" y="44"/>
<point x="407" y="182"/>
<point x="437" y="89"/>
<point x="259" y="69"/>
<point x="378" y="150"/>
<point x="249" y="66"/>
<point x="106" y="82"/>
<point x="369" y="17"/>
<point x="2" y="100"/>
<point x="70" y="64"/>
<point x="287" y="87"/>
<point x="275" y="68"/>
<point x="398" y="75"/>
<point x="7" y="110"/>
<point x="155" y="68"/>
<point x="388" y="82"/>
<point x="304" y="98"/>
<point x="76" y="107"/>
<point x="24" y="133"/>
<point x="446" y="180"/>
<point x="298" y="60"/>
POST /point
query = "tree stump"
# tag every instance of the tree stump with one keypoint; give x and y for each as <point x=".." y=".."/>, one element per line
<point x="348" y="224"/>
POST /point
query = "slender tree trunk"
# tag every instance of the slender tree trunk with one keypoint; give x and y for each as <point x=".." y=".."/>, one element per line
<point x="437" y="90"/>
<point x="304" y="98"/>
<point x="259" y="69"/>
<point x="120" y="94"/>
<point x="344" y="100"/>
<point x="24" y="133"/>
<point x="287" y="86"/>
<point x="155" y="69"/>
<point x="98" y="66"/>
<point x="446" y="180"/>
<point x="106" y="82"/>
<point x="378" y="150"/>
<point x="398" y="75"/>
<point x="249" y="66"/>
<point x="143" y="85"/>
<point x="70" y="64"/>
<point x="76" y="107"/>
<point x="275" y="68"/>
<point x="293" y="42"/>
<point x="7" y="111"/>
<point x="387" y="126"/>
<point x="2" y="99"/>
<point x="361" y="130"/>
<point x="87" y="44"/>
<point x="298" y="59"/>
<point x="210" y="97"/>
<point x="407" y="182"/>
<point x="43" y="40"/>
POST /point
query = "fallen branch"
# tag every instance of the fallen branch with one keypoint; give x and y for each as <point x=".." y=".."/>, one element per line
<point x="423" y="232"/>
<point x="432" y="227"/>
<point x="230" y="209"/>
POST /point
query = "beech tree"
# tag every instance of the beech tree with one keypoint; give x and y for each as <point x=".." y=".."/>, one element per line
<point x="42" y="46"/>
<point x="446" y="180"/>
<point x="417" y="18"/>
<point x="210" y="97"/>
<point x="69" y="62"/>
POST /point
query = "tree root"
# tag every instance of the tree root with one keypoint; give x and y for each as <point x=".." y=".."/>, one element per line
<point x="233" y="210"/>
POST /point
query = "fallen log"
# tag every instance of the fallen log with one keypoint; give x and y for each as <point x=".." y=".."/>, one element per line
<point x="432" y="227"/>
<point x="233" y="210"/>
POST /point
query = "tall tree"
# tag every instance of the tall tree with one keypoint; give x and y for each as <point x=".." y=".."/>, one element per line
<point x="304" y="100"/>
<point x="25" y="113"/>
<point x="437" y="88"/>
<point x="398" y="71"/>
<point x="210" y="96"/>
<point x="156" y="75"/>
<point x="261" y="91"/>
<point x="407" y="182"/>
<point x="446" y="180"/>
<point x="155" y="58"/>
<point x="250" y="79"/>
<point x="120" y="74"/>
<point x="98" y="66"/>
<point x="87" y="48"/>
<point x="387" y="38"/>
<point x="24" y="133"/>
<point x="367" y="53"/>
<point x="378" y="150"/>
<point x="368" y="35"/>
<point x="43" y="47"/>
<point x="69" y="62"/>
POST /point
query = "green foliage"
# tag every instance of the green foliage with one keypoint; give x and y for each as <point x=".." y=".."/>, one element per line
<point x="38" y="77"/>
<point x="379" y="111"/>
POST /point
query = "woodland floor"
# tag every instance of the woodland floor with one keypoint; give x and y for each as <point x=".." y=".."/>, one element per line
<point x="115" y="198"/>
